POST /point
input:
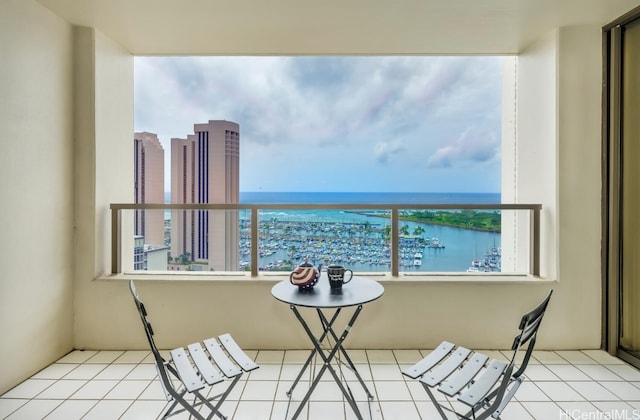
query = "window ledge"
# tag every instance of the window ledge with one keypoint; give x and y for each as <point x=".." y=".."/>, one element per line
<point x="493" y="278"/>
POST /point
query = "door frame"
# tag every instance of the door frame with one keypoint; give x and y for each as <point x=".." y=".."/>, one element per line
<point x="612" y="42"/>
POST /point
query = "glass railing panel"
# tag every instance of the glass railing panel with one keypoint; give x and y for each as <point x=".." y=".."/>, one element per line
<point x="449" y="240"/>
<point x="185" y="240"/>
<point x="352" y="238"/>
<point x="206" y="240"/>
<point x="245" y="244"/>
<point x="148" y="243"/>
<point x="409" y="240"/>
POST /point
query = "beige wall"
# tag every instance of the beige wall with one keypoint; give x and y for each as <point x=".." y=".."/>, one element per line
<point x="105" y="72"/>
<point x="553" y="145"/>
<point x="36" y="185"/>
<point x="579" y="183"/>
<point x="37" y="298"/>
<point x="537" y="138"/>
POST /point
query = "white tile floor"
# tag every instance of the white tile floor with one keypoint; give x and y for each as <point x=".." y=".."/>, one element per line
<point x="122" y="385"/>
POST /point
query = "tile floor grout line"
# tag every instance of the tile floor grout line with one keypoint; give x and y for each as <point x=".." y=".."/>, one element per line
<point x="621" y="387"/>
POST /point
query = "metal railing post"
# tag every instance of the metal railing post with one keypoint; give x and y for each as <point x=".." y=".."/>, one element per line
<point x="254" y="241"/>
<point x="116" y="253"/>
<point x="395" y="244"/>
<point x="534" y="246"/>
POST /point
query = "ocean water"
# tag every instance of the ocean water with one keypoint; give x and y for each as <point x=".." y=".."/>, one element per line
<point x="362" y="197"/>
<point x="347" y="243"/>
<point x="367" y="197"/>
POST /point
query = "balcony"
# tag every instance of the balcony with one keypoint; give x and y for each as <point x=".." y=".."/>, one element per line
<point x="87" y="384"/>
<point x="121" y="384"/>
<point x="56" y="212"/>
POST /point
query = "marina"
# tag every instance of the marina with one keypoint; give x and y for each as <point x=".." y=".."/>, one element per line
<point x="359" y="239"/>
<point x="361" y="242"/>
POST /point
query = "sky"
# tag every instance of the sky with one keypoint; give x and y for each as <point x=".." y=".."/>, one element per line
<point x="336" y="124"/>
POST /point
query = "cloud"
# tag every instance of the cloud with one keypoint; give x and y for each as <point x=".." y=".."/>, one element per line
<point x="473" y="147"/>
<point x="384" y="151"/>
<point x="392" y="110"/>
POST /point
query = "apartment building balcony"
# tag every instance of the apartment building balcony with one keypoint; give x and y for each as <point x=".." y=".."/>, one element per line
<point x="71" y="343"/>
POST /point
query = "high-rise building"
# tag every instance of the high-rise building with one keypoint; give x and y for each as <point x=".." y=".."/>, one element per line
<point x="205" y="169"/>
<point x="149" y="186"/>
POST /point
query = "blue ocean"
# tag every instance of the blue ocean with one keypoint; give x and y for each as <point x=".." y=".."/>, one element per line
<point x="367" y="197"/>
<point x="447" y="249"/>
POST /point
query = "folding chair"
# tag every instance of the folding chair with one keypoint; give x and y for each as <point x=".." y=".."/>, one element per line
<point x="455" y="372"/>
<point x="192" y="371"/>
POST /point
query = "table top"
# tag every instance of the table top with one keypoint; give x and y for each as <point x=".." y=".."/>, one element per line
<point x="358" y="291"/>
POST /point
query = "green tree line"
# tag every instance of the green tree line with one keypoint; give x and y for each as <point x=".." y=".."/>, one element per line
<point x="468" y="219"/>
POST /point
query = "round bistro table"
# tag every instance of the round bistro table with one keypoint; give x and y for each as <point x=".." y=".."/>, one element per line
<point x="356" y="293"/>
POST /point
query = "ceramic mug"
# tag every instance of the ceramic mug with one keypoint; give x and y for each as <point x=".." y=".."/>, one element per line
<point x="336" y="274"/>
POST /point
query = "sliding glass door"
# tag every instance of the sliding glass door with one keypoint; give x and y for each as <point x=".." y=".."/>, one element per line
<point x="630" y="197"/>
<point x="622" y="134"/>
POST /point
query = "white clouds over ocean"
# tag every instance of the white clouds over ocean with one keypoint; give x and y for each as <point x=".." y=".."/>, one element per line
<point x="337" y="123"/>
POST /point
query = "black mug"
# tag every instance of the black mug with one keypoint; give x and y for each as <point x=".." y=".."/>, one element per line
<point x="336" y="274"/>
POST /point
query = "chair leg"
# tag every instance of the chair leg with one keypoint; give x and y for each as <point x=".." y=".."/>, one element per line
<point x="434" y="401"/>
<point x="168" y="411"/>
<point x="514" y="387"/>
<point x="179" y="399"/>
<point x="222" y="397"/>
<point x="488" y="409"/>
<point x="206" y="401"/>
<point x="198" y="400"/>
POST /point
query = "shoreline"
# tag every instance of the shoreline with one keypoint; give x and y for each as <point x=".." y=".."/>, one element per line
<point x="408" y="219"/>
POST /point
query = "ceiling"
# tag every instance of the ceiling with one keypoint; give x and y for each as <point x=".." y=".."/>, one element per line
<point x="333" y="26"/>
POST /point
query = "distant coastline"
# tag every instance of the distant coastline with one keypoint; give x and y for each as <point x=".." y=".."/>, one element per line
<point x="463" y="222"/>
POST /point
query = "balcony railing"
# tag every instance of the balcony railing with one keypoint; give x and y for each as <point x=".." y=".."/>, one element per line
<point x="519" y="227"/>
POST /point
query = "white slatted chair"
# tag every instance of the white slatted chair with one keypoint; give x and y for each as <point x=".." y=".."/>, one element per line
<point x="192" y="371"/>
<point x="485" y="386"/>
